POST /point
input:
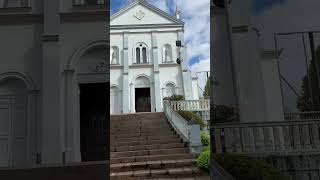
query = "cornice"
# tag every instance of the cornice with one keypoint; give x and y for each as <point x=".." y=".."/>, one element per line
<point x="74" y="16"/>
<point x="20" y="18"/>
<point x="89" y="15"/>
<point x="145" y="26"/>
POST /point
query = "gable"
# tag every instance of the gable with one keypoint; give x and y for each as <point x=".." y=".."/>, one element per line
<point x="141" y="13"/>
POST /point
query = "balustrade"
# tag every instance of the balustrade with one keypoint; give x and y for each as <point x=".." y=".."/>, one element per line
<point x="190" y="133"/>
<point x="289" y="137"/>
<point x="313" y="115"/>
<point x="190" y="105"/>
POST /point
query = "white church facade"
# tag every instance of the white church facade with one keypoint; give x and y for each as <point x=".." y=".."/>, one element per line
<point x="143" y="59"/>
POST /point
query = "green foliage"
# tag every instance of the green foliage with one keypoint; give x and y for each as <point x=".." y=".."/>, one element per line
<point x="243" y="167"/>
<point x="207" y="89"/>
<point x="203" y="161"/>
<point x="222" y="114"/>
<point x="174" y="98"/>
<point x="205" y="139"/>
<point x="192" y="118"/>
<point x="309" y="99"/>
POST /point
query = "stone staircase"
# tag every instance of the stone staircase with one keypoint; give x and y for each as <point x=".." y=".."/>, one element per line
<point x="145" y="146"/>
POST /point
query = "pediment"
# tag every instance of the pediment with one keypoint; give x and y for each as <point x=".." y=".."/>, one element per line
<point x="142" y="13"/>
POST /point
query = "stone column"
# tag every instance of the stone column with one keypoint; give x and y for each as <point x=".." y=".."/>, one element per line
<point x="52" y="125"/>
<point x="186" y="75"/>
<point x="125" y="86"/>
<point x="156" y="76"/>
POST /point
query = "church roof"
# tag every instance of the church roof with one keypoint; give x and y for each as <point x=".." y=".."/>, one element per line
<point x="149" y="6"/>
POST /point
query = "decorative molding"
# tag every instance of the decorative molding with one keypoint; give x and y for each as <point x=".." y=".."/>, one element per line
<point x="102" y="67"/>
<point x="169" y="65"/>
<point x="150" y="7"/>
<point x="240" y="29"/>
<point x="134" y="66"/>
<point x="50" y="38"/>
<point x="145" y="26"/>
<point x="139" y="15"/>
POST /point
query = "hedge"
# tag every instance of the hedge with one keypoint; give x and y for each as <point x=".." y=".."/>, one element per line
<point x="192" y="118"/>
<point x="205" y="139"/>
<point x="203" y="161"/>
<point x="248" y="168"/>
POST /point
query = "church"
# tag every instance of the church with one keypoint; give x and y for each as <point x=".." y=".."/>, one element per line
<point x="148" y="59"/>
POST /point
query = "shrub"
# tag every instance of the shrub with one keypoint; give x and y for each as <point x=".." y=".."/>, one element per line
<point x="174" y="98"/>
<point x="222" y="113"/>
<point x="203" y="161"/>
<point x="243" y="167"/>
<point x="205" y="139"/>
<point x="192" y="118"/>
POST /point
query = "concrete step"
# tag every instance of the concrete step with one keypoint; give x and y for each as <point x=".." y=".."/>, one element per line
<point x="147" y="147"/>
<point x="144" y="134"/>
<point x="157" y="173"/>
<point x="149" y="152"/>
<point x="144" y="126"/>
<point x="146" y="138"/>
<point x="152" y="165"/>
<point x="145" y="142"/>
<point x="150" y="158"/>
<point x="138" y="130"/>
<point x="136" y="134"/>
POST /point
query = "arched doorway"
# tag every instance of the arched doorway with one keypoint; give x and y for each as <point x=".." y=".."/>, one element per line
<point x="142" y="94"/>
<point x="17" y="122"/>
<point x="87" y="75"/>
<point x="92" y="78"/>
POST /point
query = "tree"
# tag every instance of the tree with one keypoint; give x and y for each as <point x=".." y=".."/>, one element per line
<point x="309" y="100"/>
<point x="207" y="89"/>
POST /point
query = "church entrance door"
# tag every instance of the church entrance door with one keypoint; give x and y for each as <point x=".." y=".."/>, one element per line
<point x="93" y="121"/>
<point x="143" y="102"/>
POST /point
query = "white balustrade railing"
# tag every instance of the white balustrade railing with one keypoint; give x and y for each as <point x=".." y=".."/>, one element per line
<point x="191" y="105"/>
<point x="288" y="137"/>
<point x="190" y="133"/>
<point x="313" y="115"/>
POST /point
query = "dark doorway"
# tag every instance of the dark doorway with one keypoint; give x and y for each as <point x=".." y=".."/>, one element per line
<point x="143" y="102"/>
<point x="94" y="138"/>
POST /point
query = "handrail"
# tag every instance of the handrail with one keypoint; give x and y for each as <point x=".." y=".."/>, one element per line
<point x="191" y="105"/>
<point x="190" y="133"/>
<point x="311" y="115"/>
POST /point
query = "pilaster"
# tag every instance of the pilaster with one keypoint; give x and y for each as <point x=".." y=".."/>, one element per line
<point x="52" y="121"/>
<point x="156" y="75"/>
<point x="125" y="86"/>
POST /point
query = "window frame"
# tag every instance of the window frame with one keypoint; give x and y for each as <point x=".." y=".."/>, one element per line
<point x="143" y="55"/>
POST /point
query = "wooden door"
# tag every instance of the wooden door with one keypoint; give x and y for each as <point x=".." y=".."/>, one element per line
<point x="143" y="100"/>
<point x="93" y="121"/>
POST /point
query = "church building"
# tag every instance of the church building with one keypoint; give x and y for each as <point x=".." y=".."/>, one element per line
<point x="148" y="59"/>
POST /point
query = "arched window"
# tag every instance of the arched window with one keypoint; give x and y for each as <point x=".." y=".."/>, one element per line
<point x="114" y="55"/>
<point x="141" y="51"/>
<point x="138" y="55"/>
<point x="170" y="89"/>
<point x="167" y="53"/>
<point x="144" y="55"/>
